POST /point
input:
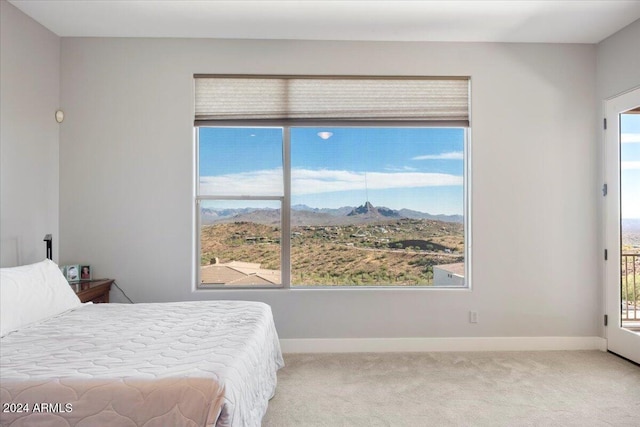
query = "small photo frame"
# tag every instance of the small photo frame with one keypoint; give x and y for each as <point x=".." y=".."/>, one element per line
<point x="85" y="272"/>
<point x="73" y="273"/>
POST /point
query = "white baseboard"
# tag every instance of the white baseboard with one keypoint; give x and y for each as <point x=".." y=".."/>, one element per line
<point x="382" y="345"/>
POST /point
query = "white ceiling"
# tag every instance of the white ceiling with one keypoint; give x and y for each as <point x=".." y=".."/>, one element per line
<point x="572" y="21"/>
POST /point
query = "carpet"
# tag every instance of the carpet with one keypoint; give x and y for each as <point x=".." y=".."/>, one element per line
<point x="546" y="388"/>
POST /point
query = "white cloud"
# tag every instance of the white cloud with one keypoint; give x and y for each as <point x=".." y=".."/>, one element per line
<point x="453" y="155"/>
<point x="262" y="182"/>
<point x="305" y="181"/>
<point x="626" y="138"/>
<point x="629" y="165"/>
<point x="400" y="169"/>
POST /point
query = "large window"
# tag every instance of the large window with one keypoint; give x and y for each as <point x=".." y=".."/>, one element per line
<point x="293" y="203"/>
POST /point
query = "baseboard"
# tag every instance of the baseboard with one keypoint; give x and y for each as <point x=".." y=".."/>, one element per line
<point x="382" y="345"/>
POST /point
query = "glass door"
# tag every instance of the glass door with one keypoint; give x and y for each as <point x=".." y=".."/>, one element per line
<point x="622" y="224"/>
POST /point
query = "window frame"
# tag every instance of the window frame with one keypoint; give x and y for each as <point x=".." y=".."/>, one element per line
<point x="285" y="200"/>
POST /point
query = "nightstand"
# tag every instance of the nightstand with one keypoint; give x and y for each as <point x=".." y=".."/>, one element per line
<point x="96" y="291"/>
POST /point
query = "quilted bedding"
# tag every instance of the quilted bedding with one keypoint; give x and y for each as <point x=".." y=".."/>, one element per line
<point x="198" y="363"/>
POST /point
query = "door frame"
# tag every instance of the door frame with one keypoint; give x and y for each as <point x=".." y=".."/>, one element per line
<point x="619" y="340"/>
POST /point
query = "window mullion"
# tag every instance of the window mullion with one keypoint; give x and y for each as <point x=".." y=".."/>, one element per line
<point x="196" y="236"/>
<point x="285" y="213"/>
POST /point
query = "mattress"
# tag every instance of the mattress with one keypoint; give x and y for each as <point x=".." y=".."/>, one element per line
<point x="199" y="363"/>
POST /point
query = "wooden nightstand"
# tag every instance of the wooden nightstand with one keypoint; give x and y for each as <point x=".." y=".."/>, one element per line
<point x="96" y="291"/>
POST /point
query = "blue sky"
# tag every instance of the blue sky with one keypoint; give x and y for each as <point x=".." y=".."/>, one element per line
<point x="415" y="168"/>
<point x="630" y="165"/>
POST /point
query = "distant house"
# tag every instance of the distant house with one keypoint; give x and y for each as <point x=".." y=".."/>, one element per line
<point x="448" y="274"/>
<point x="239" y="274"/>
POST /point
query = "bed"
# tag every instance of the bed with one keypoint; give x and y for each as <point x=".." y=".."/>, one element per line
<point x="200" y="363"/>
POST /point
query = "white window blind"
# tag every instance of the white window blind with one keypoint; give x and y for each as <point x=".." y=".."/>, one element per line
<point x="442" y="100"/>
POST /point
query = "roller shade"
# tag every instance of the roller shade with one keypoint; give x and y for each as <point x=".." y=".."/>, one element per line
<point x="336" y="99"/>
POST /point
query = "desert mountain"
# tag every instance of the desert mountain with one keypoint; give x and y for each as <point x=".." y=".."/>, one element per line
<point x="369" y="211"/>
<point x="305" y="215"/>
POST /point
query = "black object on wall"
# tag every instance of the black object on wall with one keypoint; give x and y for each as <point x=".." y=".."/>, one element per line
<point x="49" y="239"/>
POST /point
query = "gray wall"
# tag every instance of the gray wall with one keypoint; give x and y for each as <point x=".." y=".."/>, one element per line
<point x="126" y="180"/>
<point x="618" y="62"/>
<point x="29" y="136"/>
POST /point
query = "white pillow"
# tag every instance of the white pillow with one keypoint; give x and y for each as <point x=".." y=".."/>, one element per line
<point x="31" y="293"/>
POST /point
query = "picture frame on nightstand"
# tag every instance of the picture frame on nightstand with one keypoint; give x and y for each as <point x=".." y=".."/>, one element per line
<point x="73" y="273"/>
<point x="85" y="272"/>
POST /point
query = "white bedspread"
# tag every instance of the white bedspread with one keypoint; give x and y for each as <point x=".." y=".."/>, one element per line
<point x="170" y="354"/>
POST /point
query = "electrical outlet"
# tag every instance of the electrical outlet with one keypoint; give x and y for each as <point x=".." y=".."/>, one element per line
<point x="473" y="317"/>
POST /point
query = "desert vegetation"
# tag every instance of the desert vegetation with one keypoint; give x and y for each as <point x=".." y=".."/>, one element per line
<point x="630" y="262"/>
<point x="399" y="252"/>
<point x="630" y="277"/>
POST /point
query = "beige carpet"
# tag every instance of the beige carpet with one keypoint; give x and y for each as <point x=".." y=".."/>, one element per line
<point x="550" y="388"/>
